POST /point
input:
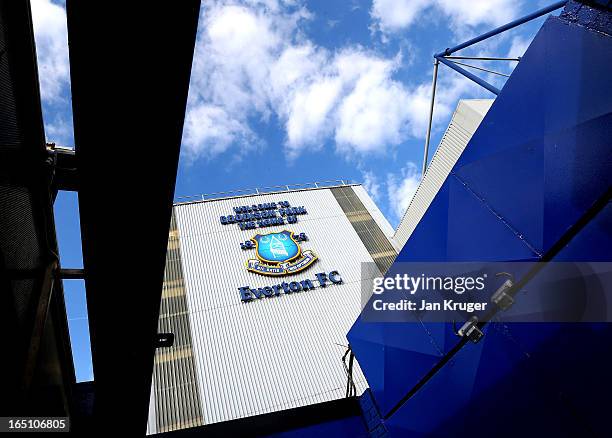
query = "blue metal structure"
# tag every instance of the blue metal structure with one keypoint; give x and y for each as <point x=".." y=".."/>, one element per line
<point x="447" y="59"/>
<point x="533" y="184"/>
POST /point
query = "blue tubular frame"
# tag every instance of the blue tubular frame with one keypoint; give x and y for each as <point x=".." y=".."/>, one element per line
<point x="441" y="56"/>
<point x="468" y="75"/>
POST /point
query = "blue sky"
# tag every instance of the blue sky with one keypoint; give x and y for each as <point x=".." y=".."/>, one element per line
<point x="287" y="92"/>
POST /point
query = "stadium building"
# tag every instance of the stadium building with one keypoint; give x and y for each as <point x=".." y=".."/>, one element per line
<point x="254" y="335"/>
<point x="259" y="292"/>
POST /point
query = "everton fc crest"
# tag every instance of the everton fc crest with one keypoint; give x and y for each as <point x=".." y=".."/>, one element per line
<point x="279" y="254"/>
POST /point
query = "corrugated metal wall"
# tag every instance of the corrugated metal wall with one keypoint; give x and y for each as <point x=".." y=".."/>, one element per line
<point x="463" y="124"/>
<point x="274" y="353"/>
<point x="175" y="399"/>
<point x="374" y="211"/>
<point x="370" y="233"/>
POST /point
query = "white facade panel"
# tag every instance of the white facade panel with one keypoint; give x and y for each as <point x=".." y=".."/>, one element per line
<point x="463" y="124"/>
<point x="151" y="423"/>
<point x="274" y="353"/>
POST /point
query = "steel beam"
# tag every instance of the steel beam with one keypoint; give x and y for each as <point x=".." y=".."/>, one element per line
<point x="504" y="28"/>
<point x="431" y="110"/>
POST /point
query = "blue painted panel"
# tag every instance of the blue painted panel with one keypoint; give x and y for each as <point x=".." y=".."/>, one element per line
<point x="548" y="379"/>
<point x="490" y="389"/>
<point x="527" y="381"/>
<point x="557" y="149"/>
<point x="475" y="231"/>
<point x="414" y="344"/>
<point x="578" y="171"/>
<point x="428" y="242"/>
<point x="538" y="161"/>
<point x="387" y="345"/>
<point x="594" y="242"/>
<point x="516" y="194"/>
<point x="351" y="427"/>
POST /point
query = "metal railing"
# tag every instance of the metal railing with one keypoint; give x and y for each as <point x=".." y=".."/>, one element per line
<point x="264" y="190"/>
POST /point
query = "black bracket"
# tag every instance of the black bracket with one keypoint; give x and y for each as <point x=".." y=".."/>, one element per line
<point x="502" y="298"/>
<point x="164" y="340"/>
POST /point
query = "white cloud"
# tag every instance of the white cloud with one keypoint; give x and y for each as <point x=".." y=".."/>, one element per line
<point x="350" y="95"/>
<point x="307" y="118"/>
<point x="397" y="15"/>
<point x="374" y="113"/>
<point x="518" y="47"/>
<point x="394" y="15"/>
<point x="401" y="189"/>
<point x="476" y="12"/>
<point x="253" y="62"/>
<point x="59" y="130"/>
<point x="371" y="185"/>
<point x="51" y="35"/>
<point x="236" y="49"/>
<point x="210" y="131"/>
